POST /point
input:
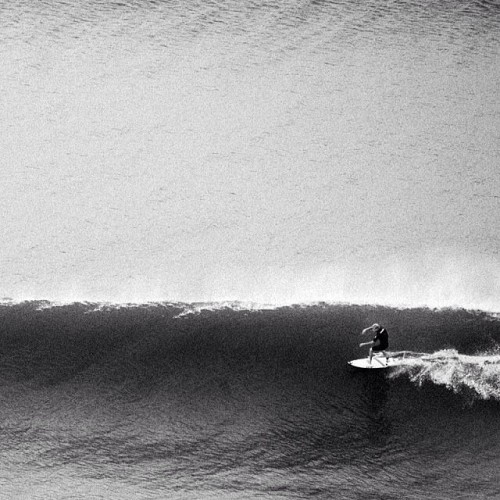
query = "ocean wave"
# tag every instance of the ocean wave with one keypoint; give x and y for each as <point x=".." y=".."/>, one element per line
<point x="180" y="344"/>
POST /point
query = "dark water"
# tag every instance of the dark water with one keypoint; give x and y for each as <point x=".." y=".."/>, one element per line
<point x="183" y="401"/>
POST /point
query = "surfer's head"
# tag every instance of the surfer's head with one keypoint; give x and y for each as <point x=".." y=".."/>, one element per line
<point x="377" y="327"/>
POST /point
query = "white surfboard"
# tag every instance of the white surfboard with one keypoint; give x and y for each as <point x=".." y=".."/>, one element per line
<point x="377" y="362"/>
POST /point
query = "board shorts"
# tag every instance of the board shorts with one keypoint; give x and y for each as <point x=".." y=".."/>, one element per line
<point x="380" y="348"/>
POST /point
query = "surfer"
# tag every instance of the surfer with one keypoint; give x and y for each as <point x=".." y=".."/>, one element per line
<point x="379" y="343"/>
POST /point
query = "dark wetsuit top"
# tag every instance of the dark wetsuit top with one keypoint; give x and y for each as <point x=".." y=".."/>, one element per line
<point x="383" y="337"/>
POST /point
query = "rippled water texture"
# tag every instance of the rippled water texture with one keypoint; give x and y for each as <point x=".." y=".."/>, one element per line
<point x="278" y="151"/>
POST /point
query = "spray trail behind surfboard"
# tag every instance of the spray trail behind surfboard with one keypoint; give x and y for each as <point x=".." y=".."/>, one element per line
<point x="478" y="375"/>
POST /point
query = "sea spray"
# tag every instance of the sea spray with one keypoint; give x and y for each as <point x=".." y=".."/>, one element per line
<point x="478" y="374"/>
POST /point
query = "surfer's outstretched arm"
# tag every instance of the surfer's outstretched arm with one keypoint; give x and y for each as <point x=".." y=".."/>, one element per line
<point x="370" y="328"/>
<point x="366" y="343"/>
<point x="373" y="343"/>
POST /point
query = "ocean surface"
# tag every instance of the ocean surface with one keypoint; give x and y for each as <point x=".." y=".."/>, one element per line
<point x="234" y="401"/>
<point x="175" y="175"/>
<point x="282" y="151"/>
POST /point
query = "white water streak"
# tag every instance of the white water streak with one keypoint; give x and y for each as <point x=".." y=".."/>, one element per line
<point x="479" y="374"/>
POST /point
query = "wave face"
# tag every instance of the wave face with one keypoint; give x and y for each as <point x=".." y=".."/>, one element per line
<point x="229" y="401"/>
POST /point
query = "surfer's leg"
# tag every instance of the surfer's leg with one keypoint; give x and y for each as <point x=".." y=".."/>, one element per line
<point x="370" y="355"/>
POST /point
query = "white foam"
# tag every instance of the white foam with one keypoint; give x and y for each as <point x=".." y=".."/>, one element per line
<point x="478" y="374"/>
